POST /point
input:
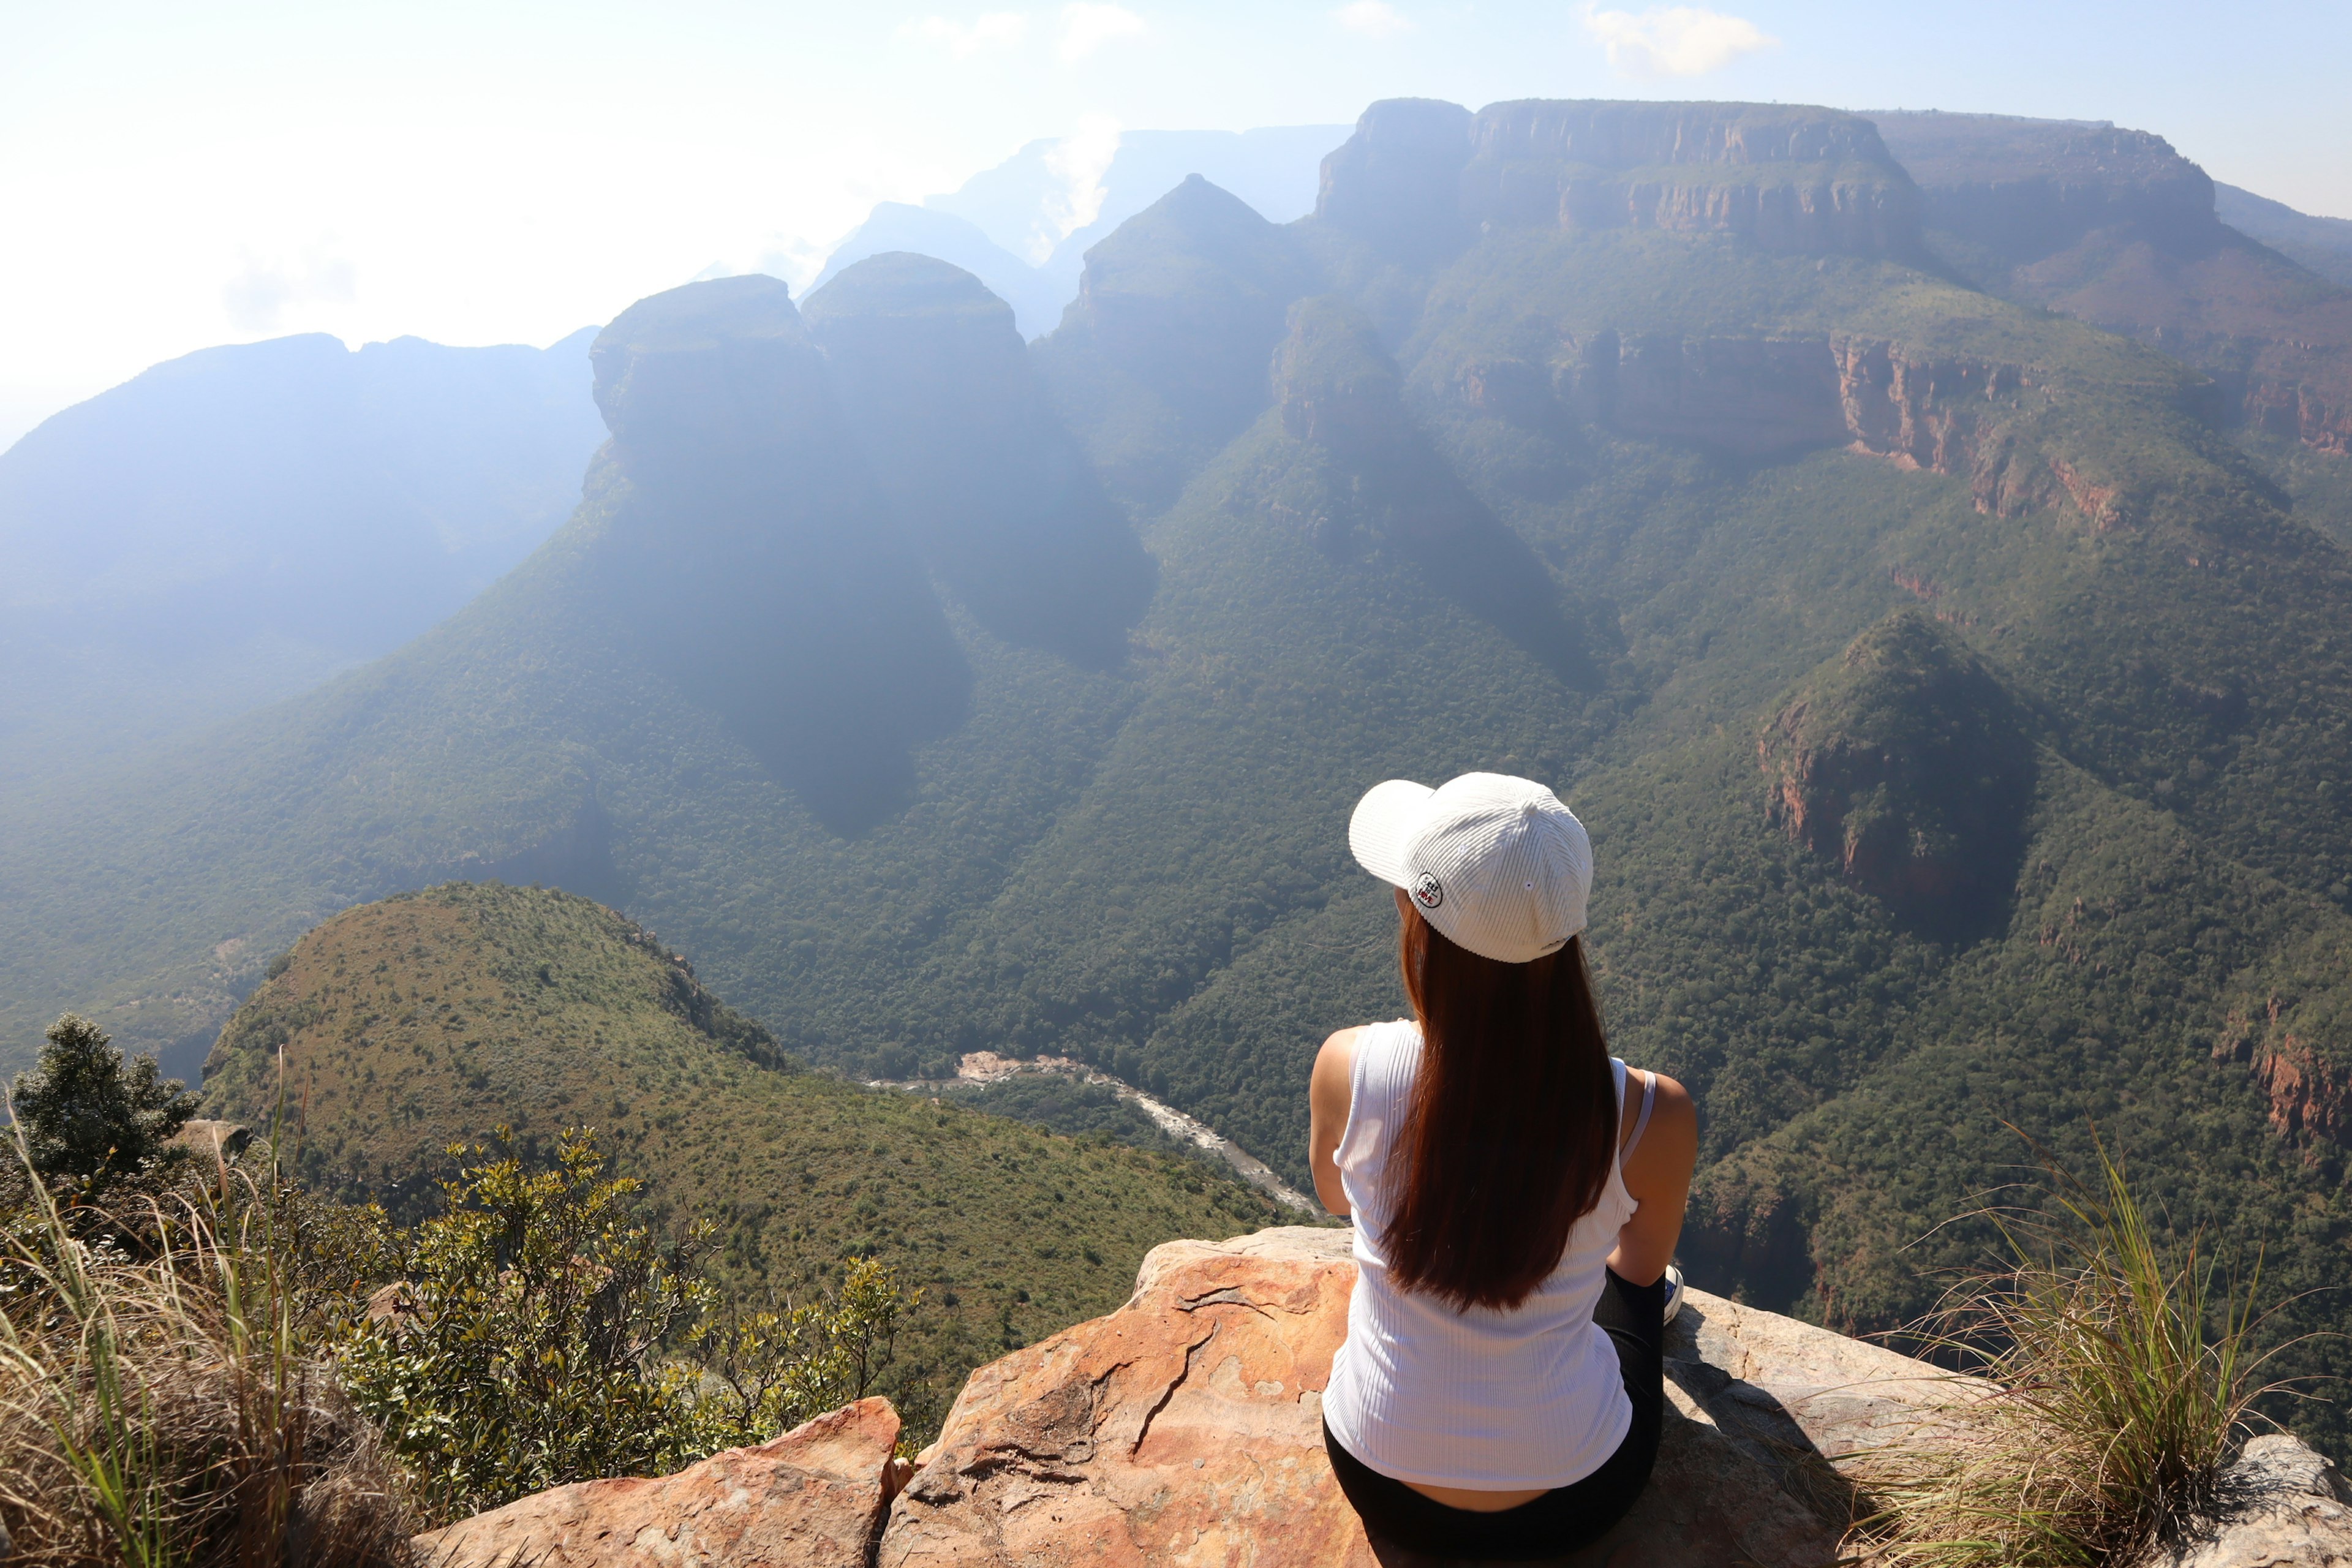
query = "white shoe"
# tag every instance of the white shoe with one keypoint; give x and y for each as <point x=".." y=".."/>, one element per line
<point x="1674" y="1291"/>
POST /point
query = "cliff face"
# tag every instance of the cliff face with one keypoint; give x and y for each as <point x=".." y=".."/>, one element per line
<point x="1418" y="176"/>
<point x="1758" y="395"/>
<point x="2291" y="1044"/>
<point x="2115" y="227"/>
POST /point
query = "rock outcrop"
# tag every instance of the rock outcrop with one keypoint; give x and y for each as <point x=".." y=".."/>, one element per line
<point x="2292" y="1043"/>
<point x="1418" y="176"/>
<point x="812" y="1499"/>
<point x="1905" y="761"/>
<point x="1186" y="1428"/>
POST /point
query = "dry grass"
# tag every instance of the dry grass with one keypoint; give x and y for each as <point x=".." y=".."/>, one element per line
<point x="2122" y="1381"/>
<point x="171" y="1408"/>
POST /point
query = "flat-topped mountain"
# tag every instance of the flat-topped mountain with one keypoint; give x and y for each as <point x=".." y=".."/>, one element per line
<point x="1808" y="181"/>
<point x="1602" y="504"/>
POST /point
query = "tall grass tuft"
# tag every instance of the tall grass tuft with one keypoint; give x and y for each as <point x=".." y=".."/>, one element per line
<point x="169" y="1408"/>
<point x="2117" y="1384"/>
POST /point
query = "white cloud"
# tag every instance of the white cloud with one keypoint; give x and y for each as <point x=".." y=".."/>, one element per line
<point x="1372" y="18"/>
<point x="1673" y="40"/>
<point x="990" y="30"/>
<point x="1080" y="160"/>
<point x="257" y="299"/>
<point x="1087" y="27"/>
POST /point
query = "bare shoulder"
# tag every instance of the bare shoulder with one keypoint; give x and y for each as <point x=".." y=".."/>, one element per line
<point x="1335" y="1063"/>
<point x="1669" y="1144"/>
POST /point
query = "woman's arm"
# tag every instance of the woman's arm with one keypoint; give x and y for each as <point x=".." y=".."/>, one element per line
<point x="1328" y="1094"/>
<point x="1658" y="1174"/>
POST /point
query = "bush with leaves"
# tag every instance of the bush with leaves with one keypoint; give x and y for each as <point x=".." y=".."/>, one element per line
<point x="520" y="1351"/>
<point x="540" y="1333"/>
<point x="766" y="1372"/>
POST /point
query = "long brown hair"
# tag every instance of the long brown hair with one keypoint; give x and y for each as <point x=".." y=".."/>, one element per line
<point x="1512" y="1129"/>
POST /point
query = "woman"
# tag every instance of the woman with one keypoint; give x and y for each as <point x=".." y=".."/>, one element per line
<point x="1500" y="1393"/>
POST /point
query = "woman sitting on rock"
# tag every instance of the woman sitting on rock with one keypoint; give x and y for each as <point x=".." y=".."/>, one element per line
<point x="1500" y="1393"/>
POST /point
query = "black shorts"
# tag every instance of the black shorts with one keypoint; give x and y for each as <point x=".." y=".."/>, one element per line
<point x="1566" y="1518"/>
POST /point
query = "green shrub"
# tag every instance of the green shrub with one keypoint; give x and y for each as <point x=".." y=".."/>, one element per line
<point x="89" y="1119"/>
<point x="539" y="1333"/>
<point x="520" y="1351"/>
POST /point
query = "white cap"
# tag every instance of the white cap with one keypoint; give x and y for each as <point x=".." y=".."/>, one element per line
<point x="1495" y="863"/>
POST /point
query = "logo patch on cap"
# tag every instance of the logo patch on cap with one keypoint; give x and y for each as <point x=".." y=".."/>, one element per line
<point x="1428" y="892"/>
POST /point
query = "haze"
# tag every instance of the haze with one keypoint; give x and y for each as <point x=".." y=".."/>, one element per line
<point x="180" y="175"/>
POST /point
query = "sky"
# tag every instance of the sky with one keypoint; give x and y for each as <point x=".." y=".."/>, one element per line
<point x="176" y="173"/>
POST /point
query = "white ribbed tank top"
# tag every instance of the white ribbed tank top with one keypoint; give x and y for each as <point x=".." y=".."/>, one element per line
<point x="1499" y="1401"/>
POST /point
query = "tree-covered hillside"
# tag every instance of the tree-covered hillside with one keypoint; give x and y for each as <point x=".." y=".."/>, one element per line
<point x="399" y="1028"/>
<point x="1960" y="708"/>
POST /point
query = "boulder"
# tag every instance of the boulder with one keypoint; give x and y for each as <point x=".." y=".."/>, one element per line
<point x="1187" y="1426"/>
<point x="2287" y="1510"/>
<point x="812" y="1499"/>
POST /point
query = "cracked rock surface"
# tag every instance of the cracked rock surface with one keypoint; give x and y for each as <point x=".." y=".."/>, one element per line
<point x="1186" y="1427"/>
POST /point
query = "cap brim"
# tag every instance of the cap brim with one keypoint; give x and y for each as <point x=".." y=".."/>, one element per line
<point x="1384" y="825"/>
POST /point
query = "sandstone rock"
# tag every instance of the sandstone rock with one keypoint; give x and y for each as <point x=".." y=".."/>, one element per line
<point x="812" y="1499"/>
<point x="1186" y="1427"/>
<point x="2287" y="1511"/>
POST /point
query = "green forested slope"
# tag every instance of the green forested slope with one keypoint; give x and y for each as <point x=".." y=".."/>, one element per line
<point x="403" y="1026"/>
<point x="1605" y="506"/>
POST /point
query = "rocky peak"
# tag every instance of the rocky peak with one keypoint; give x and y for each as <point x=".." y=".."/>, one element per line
<point x="944" y="401"/>
<point x="1177" y="314"/>
<point x="708" y="375"/>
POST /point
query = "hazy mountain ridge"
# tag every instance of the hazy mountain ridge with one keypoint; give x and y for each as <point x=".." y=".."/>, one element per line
<point x="1143" y="862"/>
<point x="236" y="525"/>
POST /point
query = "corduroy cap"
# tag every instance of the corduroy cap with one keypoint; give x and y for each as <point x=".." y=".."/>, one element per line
<point x="1495" y="862"/>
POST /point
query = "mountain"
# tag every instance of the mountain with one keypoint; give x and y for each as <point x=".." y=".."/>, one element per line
<point x="1041" y="202"/>
<point x="2114" y="227"/>
<point x="1024" y="227"/>
<point x="2321" y="243"/>
<point x="1036" y="300"/>
<point x="1957" y="697"/>
<point x="238" y="525"/>
<point x="429" y="1019"/>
